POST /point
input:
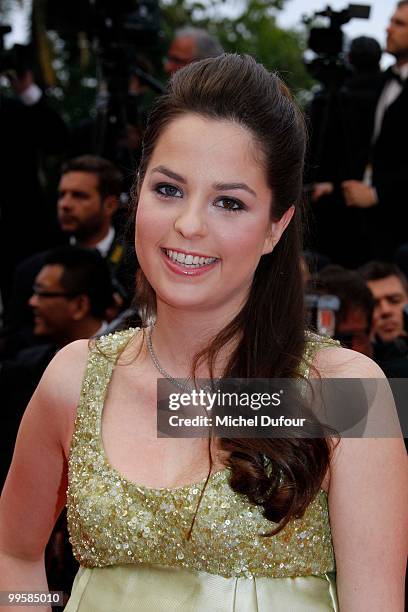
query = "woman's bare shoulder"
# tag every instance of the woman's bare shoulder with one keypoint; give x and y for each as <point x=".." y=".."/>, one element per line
<point x="338" y="362"/>
<point x="56" y="398"/>
<point x="63" y="377"/>
<point x="60" y="386"/>
<point x="362" y="463"/>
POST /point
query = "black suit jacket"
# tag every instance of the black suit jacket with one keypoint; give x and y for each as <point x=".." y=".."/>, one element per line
<point x="390" y="173"/>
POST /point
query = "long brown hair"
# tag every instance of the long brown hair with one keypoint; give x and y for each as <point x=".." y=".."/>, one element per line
<point x="281" y="475"/>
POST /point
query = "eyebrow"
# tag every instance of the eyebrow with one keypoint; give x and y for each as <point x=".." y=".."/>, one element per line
<point x="75" y="192"/>
<point x="217" y="186"/>
<point x="169" y="173"/>
<point x="230" y="186"/>
<point x="399" y="21"/>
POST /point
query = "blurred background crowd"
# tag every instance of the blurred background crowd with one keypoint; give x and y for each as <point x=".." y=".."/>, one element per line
<point x="73" y="107"/>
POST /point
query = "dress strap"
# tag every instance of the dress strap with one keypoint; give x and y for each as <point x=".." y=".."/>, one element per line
<point x="102" y="358"/>
<point x="313" y="344"/>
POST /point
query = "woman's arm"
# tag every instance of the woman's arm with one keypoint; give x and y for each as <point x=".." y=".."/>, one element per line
<point x="35" y="490"/>
<point x="368" y="504"/>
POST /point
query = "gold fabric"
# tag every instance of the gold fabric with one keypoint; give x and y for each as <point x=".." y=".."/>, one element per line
<point x="131" y="540"/>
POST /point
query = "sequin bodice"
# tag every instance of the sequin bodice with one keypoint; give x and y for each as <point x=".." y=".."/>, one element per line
<point x="115" y="521"/>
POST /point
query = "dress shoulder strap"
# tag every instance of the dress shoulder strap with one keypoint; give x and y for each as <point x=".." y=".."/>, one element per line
<point x="103" y="354"/>
<point x="314" y="343"/>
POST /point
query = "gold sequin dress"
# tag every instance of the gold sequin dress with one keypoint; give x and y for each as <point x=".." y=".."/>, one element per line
<point x="130" y="540"/>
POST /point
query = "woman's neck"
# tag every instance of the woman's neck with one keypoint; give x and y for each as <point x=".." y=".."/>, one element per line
<point x="180" y="334"/>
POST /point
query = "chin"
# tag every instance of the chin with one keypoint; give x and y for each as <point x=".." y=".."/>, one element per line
<point x="389" y="337"/>
<point x="68" y="227"/>
<point x="40" y="329"/>
<point x="186" y="300"/>
<point x="40" y="333"/>
<point x="215" y="301"/>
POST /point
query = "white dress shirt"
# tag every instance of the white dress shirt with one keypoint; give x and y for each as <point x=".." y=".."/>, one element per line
<point x="103" y="245"/>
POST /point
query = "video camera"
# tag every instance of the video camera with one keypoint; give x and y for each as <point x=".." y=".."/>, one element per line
<point x="116" y="29"/>
<point x="329" y="67"/>
<point x="123" y="36"/>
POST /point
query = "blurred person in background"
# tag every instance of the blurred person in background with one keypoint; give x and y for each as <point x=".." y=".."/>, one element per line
<point x="189" y="45"/>
<point x="390" y="291"/>
<point x="354" y="317"/>
<point x="383" y="190"/>
<point x="342" y="122"/>
<point x="71" y="295"/>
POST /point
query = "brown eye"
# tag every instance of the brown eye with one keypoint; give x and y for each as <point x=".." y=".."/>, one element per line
<point x="229" y="204"/>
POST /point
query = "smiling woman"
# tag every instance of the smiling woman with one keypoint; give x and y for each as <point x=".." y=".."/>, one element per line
<point x="226" y="523"/>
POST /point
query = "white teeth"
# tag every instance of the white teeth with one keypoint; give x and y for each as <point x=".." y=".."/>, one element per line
<point x="189" y="260"/>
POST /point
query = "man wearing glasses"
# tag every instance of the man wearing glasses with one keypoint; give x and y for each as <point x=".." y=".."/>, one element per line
<point x="71" y="295"/>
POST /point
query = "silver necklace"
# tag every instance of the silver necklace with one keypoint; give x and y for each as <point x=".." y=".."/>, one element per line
<point x="180" y="385"/>
<point x="184" y="386"/>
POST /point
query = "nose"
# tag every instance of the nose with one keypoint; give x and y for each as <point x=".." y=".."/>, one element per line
<point x="33" y="301"/>
<point x="169" y="67"/>
<point x="65" y="201"/>
<point x="191" y="220"/>
<point x="384" y="308"/>
<point x="390" y="26"/>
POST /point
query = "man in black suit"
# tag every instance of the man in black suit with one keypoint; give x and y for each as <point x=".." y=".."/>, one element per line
<point x="384" y="192"/>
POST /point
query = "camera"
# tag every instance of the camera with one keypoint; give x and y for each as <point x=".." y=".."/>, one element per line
<point x="328" y="42"/>
<point x="123" y="36"/>
<point x="118" y="30"/>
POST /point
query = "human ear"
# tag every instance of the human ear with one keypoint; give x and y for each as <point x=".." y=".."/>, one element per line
<point x="81" y="307"/>
<point x="110" y="204"/>
<point x="276" y="230"/>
